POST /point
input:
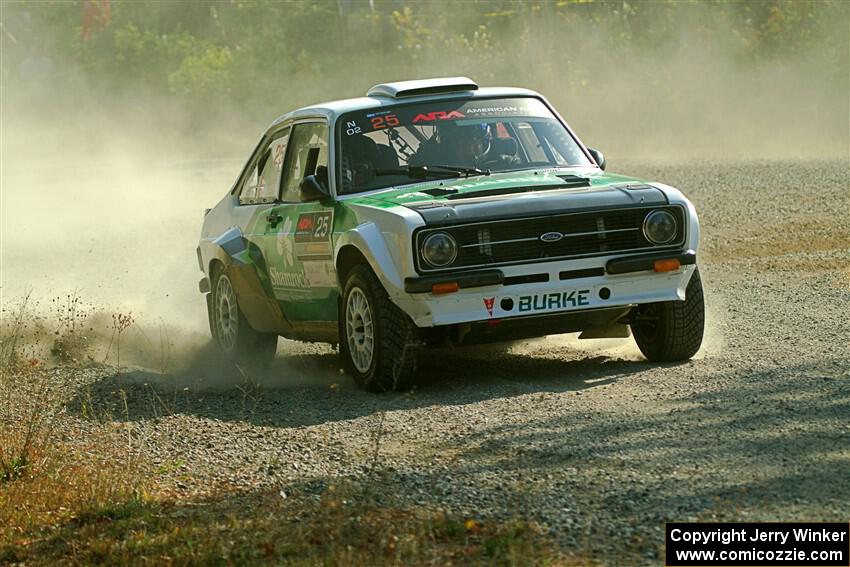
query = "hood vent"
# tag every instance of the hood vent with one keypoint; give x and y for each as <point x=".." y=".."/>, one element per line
<point x="580" y="182"/>
<point x="440" y="191"/>
<point x="571" y="180"/>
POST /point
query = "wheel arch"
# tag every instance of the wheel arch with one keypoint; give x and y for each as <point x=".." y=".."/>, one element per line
<point x="366" y="244"/>
<point x="348" y="257"/>
<point x="260" y="310"/>
<point x="214" y="266"/>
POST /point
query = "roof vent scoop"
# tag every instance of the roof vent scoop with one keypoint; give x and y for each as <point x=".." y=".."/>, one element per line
<point x="404" y="89"/>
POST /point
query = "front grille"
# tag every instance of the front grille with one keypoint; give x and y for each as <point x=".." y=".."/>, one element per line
<point x="527" y="279"/>
<point x="585" y="234"/>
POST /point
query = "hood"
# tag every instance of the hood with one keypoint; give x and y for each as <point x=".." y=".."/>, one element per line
<point x="521" y="194"/>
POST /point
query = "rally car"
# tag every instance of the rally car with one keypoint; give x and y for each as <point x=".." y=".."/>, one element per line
<point x="436" y="213"/>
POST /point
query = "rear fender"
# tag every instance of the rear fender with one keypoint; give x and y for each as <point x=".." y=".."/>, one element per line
<point x="244" y="263"/>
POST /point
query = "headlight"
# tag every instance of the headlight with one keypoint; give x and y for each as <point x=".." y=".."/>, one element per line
<point x="439" y="249"/>
<point x="660" y="227"/>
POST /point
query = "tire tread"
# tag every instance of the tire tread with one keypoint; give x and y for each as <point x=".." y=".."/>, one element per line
<point x="395" y="339"/>
<point x="680" y="327"/>
<point x="254" y="350"/>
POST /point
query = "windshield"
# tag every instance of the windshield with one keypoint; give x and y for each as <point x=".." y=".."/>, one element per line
<point x="390" y="146"/>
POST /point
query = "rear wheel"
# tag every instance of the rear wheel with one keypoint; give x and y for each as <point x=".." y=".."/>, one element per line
<point x="378" y="342"/>
<point x="234" y="336"/>
<point x="671" y="330"/>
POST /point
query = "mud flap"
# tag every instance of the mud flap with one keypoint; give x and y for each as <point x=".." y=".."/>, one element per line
<point x="208" y="297"/>
<point x="612" y="331"/>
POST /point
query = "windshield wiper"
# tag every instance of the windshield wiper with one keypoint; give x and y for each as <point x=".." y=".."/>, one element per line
<point x="425" y="171"/>
<point x="466" y="171"/>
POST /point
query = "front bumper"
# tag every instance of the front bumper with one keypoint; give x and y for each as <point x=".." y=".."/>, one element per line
<point x="547" y="288"/>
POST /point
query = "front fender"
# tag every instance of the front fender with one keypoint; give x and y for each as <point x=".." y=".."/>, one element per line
<point x="372" y="243"/>
<point x="676" y="197"/>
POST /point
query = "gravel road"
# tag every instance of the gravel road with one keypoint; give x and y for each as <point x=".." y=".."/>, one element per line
<point x="584" y="437"/>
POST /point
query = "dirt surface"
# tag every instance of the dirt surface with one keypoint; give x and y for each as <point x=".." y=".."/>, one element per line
<point x="584" y="437"/>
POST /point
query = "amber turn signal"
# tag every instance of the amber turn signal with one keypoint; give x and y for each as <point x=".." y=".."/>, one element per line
<point x="447" y="287"/>
<point x="666" y="265"/>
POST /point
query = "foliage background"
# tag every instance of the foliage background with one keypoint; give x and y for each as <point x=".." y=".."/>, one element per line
<point x="663" y="78"/>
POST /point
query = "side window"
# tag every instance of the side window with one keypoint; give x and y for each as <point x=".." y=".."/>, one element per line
<point x="530" y="142"/>
<point x="559" y="159"/>
<point x="248" y="195"/>
<point x="309" y="150"/>
<point x="263" y="183"/>
<point x="563" y="148"/>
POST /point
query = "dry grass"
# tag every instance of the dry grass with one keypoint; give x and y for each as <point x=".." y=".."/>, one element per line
<point x="64" y="482"/>
<point x="86" y="496"/>
<point x="88" y="503"/>
<point x="262" y="528"/>
<point x="56" y="470"/>
<point x="76" y="489"/>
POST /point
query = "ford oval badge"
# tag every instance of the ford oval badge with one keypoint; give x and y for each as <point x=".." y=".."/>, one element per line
<point x="551" y="236"/>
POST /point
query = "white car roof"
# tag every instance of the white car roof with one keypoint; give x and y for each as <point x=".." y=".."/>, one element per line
<point x="392" y="94"/>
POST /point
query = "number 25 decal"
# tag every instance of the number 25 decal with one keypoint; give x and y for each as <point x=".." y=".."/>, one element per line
<point x="388" y="121"/>
<point x="322" y="226"/>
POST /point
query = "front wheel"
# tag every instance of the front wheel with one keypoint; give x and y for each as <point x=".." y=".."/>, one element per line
<point x="671" y="330"/>
<point x="378" y="341"/>
<point x="234" y="336"/>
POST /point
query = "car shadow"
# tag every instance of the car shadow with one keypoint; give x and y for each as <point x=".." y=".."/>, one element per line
<point x="761" y="440"/>
<point x="308" y="388"/>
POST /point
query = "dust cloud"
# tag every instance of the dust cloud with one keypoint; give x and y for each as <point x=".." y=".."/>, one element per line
<point x="103" y="193"/>
<point x="695" y="102"/>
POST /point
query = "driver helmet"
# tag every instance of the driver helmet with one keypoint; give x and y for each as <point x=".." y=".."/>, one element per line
<point x="470" y="140"/>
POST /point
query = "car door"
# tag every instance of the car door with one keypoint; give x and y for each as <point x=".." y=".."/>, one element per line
<point x="256" y="197"/>
<point x="297" y="243"/>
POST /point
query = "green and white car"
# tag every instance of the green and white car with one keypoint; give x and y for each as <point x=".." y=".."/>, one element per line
<point x="436" y="213"/>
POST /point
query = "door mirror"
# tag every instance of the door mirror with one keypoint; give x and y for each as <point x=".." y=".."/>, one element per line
<point x="597" y="157"/>
<point x="315" y="187"/>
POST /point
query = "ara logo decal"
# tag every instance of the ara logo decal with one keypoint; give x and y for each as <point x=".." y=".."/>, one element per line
<point x="305" y="223"/>
<point x="284" y="242"/>
<point x="488" y="304"/>
<point x="438" y="115"/>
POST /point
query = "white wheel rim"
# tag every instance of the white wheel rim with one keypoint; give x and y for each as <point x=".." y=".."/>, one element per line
<point x="226" y="314"/>
<point x="359" y="330"/>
